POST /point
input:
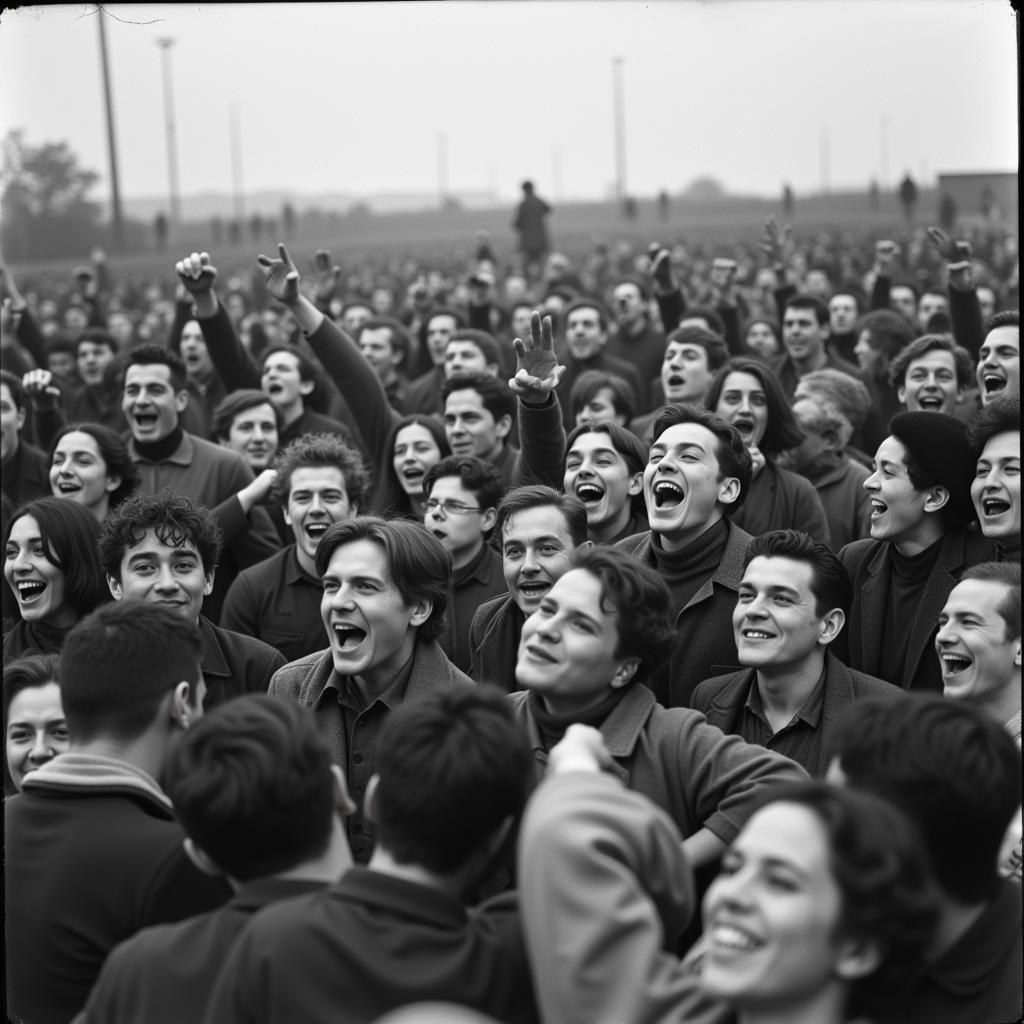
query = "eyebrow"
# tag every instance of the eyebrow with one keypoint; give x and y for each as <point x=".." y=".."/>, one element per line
<point x="679" y="447"/>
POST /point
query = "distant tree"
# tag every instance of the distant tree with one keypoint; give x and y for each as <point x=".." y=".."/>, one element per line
<point x="44" y="205"/>
<point x="705" y="187"/>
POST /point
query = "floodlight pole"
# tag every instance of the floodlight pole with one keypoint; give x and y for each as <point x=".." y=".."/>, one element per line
<point x="117" y="224"/>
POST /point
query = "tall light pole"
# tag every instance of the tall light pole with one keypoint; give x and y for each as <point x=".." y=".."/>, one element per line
<point x="236" y="164"/>
<point x="115" y="188"/>
<point x="620" y="129"/>
<point x="165" y="43"/>
<point x="442" y="167"/>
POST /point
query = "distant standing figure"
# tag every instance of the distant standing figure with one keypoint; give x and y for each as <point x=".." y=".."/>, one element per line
<point x="874" y="199"/>
<point x="908" y="197"/>
<point x="160" y="229"/>
<point x="788" y="201"/>
<point x="533" y="232"/>
<point x="664" y="205"/>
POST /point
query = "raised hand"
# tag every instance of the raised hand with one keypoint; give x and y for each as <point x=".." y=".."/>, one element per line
<point x="538" y="370"/>
<point x="723" y="276"/>
<point x="775" y="241"/>
<point x="41" y="391"/>
<point x="196" y="273"/>
<point x="326" y="276"/>
<point x="953" y="252"/>
<point x="661" y="269"/>
<point x="886" y="251"/>
<point x="281" y="275"/>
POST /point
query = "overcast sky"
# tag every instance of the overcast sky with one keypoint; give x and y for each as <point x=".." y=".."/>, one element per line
<point x="353" y="97"/>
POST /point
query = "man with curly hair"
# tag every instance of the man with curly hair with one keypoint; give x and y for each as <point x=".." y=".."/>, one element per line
<point x="321" y="480"/>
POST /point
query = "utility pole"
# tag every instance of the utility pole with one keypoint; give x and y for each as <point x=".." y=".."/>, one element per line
<point x="165" y="43"/>
<point x="236" y="165"/>
<point x="620" y="129"/>
<point x="442" y="169"/>
<point x="116" y="221"/>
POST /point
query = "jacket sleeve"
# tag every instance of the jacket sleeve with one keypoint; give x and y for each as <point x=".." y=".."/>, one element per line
<point x="604" y="892"/>
<point x="542" y="440"/>
<point x="31" y="337"/>
<point x="809" y="513"/>
<point x="227" y="353"/>
<point x="671" y="308"/>
<point x="966" y="320"/>
<point x="359" y="385"/>
<point x="253" y="538"/>
<point x="880" y="292"/>
<point x="722" y="775"/>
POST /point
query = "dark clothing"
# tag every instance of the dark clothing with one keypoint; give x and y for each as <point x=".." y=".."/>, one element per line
<point x="781" y="500"/>
<point x="233" y="664"/>
<point x="530" y="225"/>
<point x="979" y="977"/>
<point x="606" y="364"/>
<point x="93" y="855"/>
<point x="423" y="395"/>
<point x="847" y="505"/>
<point x="277" y="602"/>
<point x="164" y="975"/>
<point x="473" y="585"/>
<point x="704" y="644"/>
<point x="371" y="943"/>
<point x="693" y="771"/>
<point x="494" y="642"/>
<point x="733" y="703"/>
<point x="645" y="351"/>
<point x="33" y="638"/>
<point x="352" y="727"/>
<point x="869" y="563"/>
<point x="789" y="376"/>
<point x="25" y="474"/>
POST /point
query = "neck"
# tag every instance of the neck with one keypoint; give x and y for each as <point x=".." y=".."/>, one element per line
<point x="382" y="861"/>
<point x="306" y="562"/>
<point x="330" y="865"/>
<point x="378" y="678"/>
<point x="784" y="689"/>
<point x="1003" y="702"/>
<point x="826" y="1006"/>
<point x="291" y="412"/>
<point x="100" y="509"/>
<point x="462" y="558"/>
<point x="141" y="752"/>
<point x="825" y="463"/>
<point x="678" y="540"/>
<point x="813" y="361"/>
<point x="15" y="444"/>
<point x="601" y="533"/>
<point x="926" y="534"/>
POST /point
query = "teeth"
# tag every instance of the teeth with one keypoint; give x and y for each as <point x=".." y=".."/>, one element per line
<point x="28" y="589"/>
<point x="667" y="494"/>
<point x="589" y="492"/>
<point x="995" y="506"/>
<point x="955" y="663"/>
<point x="993" y="383"/>
<point x="533" y="588"/>
<point x="316" y="528"/>
<point x="349" y="636"/>
<point x="880" y="505"/>
<point x="733" y="938"/>
<point x="756" y="634"/>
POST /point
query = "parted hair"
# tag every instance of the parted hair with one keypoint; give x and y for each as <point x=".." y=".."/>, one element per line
<point x="519" y="499"/>
<point x="453" y="765"/>
<point x="931" y="343"/>
<point x="830" y="582"/>
<point x="495" y="395"/>
<point x="233" y="405"/>
<point x="251" y="784"/>
<point x="114" y="453"/>
<point x="590" y="382"/>
<point x="476" y="475"/>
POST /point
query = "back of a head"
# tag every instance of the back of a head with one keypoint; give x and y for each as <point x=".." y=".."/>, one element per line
<point x="119" y="663"/>
<point x="951" y="768"/>
<point x="252" y="785"/>
<point x="453" y="766"/>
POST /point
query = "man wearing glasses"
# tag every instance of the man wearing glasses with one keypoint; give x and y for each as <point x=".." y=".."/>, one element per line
<point x="462" y="495"/>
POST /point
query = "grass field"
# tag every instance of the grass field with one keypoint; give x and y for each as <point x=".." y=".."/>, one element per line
<point x="436" y="235"/>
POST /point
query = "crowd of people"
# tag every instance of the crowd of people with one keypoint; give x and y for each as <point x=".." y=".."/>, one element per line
<point x="626" y="636"/>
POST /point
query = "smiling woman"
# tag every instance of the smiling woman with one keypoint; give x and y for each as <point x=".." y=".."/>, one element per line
<point x="90" y="465"/>
<point x="52" y="566"/>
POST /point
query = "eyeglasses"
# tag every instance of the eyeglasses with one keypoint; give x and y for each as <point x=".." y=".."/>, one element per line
<point x="453" y="508"/>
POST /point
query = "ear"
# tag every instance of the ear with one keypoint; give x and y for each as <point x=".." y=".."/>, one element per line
<point x="421" y="610"/>
<point x="208" y="585"/>
<point x="342" y="801"/>
<point x="22" y="413"/>
<point x="181" y="710"/>
<point x="114" y="586"/>
<point x="370" y="800"/>
<point x="729" y="490"/>
<point x="181" y="401"/>
<point x="901" y="395"/>
<point x="636" y="484"/>
<point x="503" y="426"/>
<point x="857" y="958"/>
<point x="937" y="498"/>
<point x="112" y="484"/>
<point x="831" y="626"/>
<point x="1016" y="656"/>
<point x="625" y="672"/>
<point x="585" y="546"/>
<point x="306" y="387"/>
<point x="201" y="859"/>
<point x="831" y="441"/>
<point x="489" y="518"/>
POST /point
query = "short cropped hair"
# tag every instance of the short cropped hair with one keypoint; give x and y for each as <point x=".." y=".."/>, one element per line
<point x="157" y="355"/>
<point x="849" y="394"/>
<point x="482" y="478"/>
<point x="1001" y="416"/>
<point x="1007" y="318"/>
<point x="251" y="784"/>
<point x="61" y="342"/>
<point x="713" y="345"/>
<point x="453" y="766"/>
<point x="930" y="343"/>
<point x="119" y="663"/>
<point x="313" y="450"/>
<point x="710" y="316"/>
<point x="584" y="303"/>
<point x="485" y="342"/>
<point x="495" y="395"/>
<point x="590" y="382"/>
<point x="399" y="335"/>
<point x="951" y="768"/>
<point x="624" y="441"/>
<point x="880" y="868"/>
<point x="733" y="458"/>
<point x="641" y="600"/>
<point x="114" y="452"/>
<point x="888" y="332"/>
<point x="781" y="431"/>
<point x="98" y="336"/>
<point x="1006" y="574"/>
<point x="572" y="510"/>
<point x="26" y="673"/>
<point x="175" y="519"/>
<point x="812" y="302"/>
<point x="69" y="533"/>
<point x="419" y="566"/>
<point x="460" y="320"/>
<point x="638" y="282"/>
<point x="830" y="582"/>
<point x="233" y="405"/>
<point x="829" y="419"/>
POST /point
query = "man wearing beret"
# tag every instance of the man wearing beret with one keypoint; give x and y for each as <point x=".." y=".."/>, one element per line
<point x="920" y="494"/>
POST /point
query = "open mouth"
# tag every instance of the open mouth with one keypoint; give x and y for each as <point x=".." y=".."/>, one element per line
<point x="67" y="487"/>
<point x="30" y="590"/>
<point x="995" y="507"/>
<point x="954" y="664"/>
<point x="930" y="403"/>
<point x="667" y="494"/>
<point x="348" y="637"/>
<point x="534" y="588"/>
<point x="414" y="474"/>
<point x="316" y="530"/>
<point x="589" y="494"/>
<point x="729" y="937"/>
<point x="145" y="420"/>
<point x="275" y="389"/>
<point x="757" y="634"/>
<point x="993" y="383"/>
<point x="878" y="508"/>
<point x="744" y="426"/>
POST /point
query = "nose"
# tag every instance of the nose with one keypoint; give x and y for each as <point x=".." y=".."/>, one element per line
<point x="530" y="563"/>
<point x="41" y="751"/>
<point x="166" y="583"/>
<point x="871" y="483"/>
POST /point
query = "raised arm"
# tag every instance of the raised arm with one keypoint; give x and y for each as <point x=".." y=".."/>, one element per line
<point x="964" y="309"/>
<point x="886" y="251"/>
<point x="667" y="293"/>
<point x="777" y="245"/>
